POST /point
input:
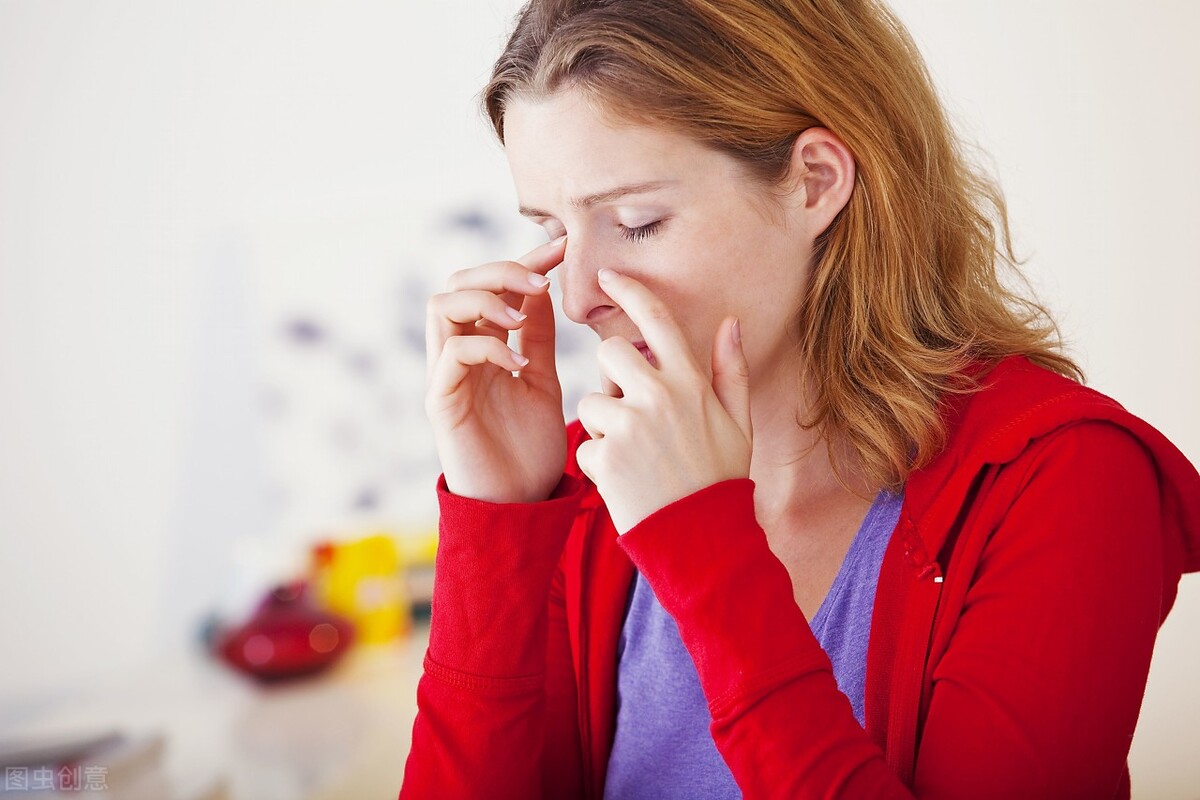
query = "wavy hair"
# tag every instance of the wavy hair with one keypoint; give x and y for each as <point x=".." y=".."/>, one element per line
<point x="906" y="292"/>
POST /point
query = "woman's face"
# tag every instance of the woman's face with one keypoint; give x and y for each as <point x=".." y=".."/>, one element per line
<point x="683" y="219"/>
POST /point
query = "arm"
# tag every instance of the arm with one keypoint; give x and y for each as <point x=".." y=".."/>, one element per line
<point x="483" y="700"/>
<point x="1039" y="688"/>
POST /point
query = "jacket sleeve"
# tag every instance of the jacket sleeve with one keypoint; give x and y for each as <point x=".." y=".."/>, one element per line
<point x="1039" y="688"/>
<point x="484" y="702"/>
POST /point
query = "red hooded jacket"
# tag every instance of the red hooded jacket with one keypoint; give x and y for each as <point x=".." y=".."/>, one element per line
<point x="1016" y="611"/>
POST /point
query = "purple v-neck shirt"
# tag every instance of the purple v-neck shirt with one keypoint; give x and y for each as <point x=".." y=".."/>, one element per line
<point x="663" y="748"/>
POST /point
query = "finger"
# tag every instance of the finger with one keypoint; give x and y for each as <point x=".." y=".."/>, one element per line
<point x="456" y="311"/>
<point x="586" y="458"/>
<point x="510" y="280"/>
<point x="539" y="261"/>
<point x="731" y="375"/>
<point x="510" y="275"/>
<point x="460" y="354"/>
<point x="652" y="317"/>
<point x="535" y="338"/>
<point x="608" y="387"/>
<point x="462" y="313"/>
<point x="513" y="280"/>
<point x="545" y="256"/>
<point x="598" y="413"/>
<point x="623" y="366"/>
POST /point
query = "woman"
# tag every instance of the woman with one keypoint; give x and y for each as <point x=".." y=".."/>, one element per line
<point x="843" y="522"/>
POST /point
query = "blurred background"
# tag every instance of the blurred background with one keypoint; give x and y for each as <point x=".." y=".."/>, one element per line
<point x="219" y="225"/>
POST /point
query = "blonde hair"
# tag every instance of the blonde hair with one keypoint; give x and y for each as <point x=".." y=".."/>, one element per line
<point x="905" y="290"/>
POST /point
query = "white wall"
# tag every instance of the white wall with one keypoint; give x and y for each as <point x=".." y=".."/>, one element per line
<point x="179" y="180"/>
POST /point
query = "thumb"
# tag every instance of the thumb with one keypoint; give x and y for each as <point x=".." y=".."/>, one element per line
<point x="731" y="374"/>
<point x="535" y="339"/>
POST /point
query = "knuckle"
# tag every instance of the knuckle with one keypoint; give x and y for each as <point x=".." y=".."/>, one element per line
<point x="500" y="308"/>
<point x="605" y="348"/>
<point x="593" y="456"/>
<point x="517" y="274"/>
<point x="501" y="272"/>
<point x="459" y="346"/>
<point x="583" y="456"/>
<point x="587" y="406"/>
<point x="487" y="301"/>
<point x="430" y="402"/>
<point x="500" y="351"/>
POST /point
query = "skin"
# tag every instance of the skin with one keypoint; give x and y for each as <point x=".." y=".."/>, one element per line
<point x="699" y="245"/>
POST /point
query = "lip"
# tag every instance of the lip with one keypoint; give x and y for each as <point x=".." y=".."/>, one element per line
<point x="646" y="352"/>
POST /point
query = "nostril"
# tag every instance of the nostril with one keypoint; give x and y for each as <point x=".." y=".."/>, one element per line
<point x="600" y="313"/>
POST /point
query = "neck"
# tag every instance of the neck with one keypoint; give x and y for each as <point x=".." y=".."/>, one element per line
<point x="792" y="468"/>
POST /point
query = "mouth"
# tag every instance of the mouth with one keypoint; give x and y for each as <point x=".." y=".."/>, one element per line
<point x="646" y="352"/>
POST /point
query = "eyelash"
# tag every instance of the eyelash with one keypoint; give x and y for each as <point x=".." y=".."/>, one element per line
<point x="641" y="232"/>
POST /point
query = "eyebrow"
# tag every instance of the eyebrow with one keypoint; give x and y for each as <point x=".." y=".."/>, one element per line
<point x="607" y="196"/>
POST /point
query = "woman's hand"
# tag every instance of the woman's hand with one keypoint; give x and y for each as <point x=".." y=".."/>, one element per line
<point x="660" y="434"/>
<point x="500" y="437"/>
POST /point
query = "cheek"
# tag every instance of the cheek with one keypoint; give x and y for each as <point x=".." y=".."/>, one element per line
<point x="695" y="308"/>
<point x="674" y="279"/>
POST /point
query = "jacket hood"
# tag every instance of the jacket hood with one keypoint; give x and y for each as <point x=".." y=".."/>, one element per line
<point x="1037" y="402"/>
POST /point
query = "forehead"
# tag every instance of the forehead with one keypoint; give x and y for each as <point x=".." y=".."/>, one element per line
<point x="566" y="145"/>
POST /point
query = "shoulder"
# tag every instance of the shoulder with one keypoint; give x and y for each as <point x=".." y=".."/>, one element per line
<point x="1016" y="402"/>
<point x="1020" y="407"/>
<point x="1025" y="412"/>
<point x="1040" y="435"/>
<point x="1089" y="461"/>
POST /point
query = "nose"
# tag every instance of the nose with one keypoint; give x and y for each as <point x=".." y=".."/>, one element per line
<point x="584" y="301"/>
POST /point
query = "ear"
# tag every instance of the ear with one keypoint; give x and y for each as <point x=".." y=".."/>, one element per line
<point x="821" y="177"/>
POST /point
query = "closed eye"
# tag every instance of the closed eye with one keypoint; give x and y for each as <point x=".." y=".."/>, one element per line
<point x="641" y="232"/>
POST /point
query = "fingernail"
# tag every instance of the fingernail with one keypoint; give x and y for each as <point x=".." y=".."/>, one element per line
<point x="520" y="359"/>
<point x="517" y="315"/>
<point x="559" y="240"/>
<point x="538" y="279"/>
<point x="606" y="274"/>
<point x="737" y="331"/>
